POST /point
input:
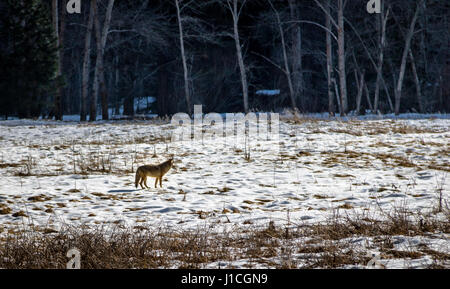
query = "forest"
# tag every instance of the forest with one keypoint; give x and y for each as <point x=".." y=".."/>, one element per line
<point x="225" y="134"/>
<point x="228" y="55"/>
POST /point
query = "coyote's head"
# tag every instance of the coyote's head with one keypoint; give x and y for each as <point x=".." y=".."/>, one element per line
<point x="169" y="162"/>
<point x="167" y="165"/>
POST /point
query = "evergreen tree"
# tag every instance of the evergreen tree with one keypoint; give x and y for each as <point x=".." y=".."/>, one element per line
<point x="28" y="57"/>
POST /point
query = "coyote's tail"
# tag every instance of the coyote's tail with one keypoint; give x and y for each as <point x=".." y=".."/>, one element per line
<point x="136" y="179"/>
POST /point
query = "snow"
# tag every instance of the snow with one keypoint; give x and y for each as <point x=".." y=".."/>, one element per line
<point x="213" y="183"/>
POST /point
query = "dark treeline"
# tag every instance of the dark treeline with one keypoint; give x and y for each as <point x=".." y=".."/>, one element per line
<point x="322" y="55"/>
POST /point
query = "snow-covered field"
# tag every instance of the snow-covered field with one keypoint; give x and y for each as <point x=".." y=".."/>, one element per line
<point x="70" y="173"/>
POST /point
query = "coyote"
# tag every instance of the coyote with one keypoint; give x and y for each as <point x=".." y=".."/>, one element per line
<point x="157" y="171"/>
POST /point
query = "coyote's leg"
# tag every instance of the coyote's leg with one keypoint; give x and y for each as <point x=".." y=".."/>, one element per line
<point x="145" y="182"/>
<point x="160" y="181"/>
<point x="140" y="183"/>
<point x="156" y="182"/>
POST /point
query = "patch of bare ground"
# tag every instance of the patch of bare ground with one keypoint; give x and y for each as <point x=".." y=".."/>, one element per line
<point x="4" y="209"/>
<point x="439" y="167"/>
<point x="9" y="165"/>
<point x="39" y="198"/>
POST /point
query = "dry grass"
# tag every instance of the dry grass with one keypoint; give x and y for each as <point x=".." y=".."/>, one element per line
<point x="324" y="245"/>
<point x="356" y="159"/>
<point x="107" y="155"/>
<point x="360" y="128"/>
<point x="9" y="165"/>
<point x="4" y="210"/>
<point x="94" y="160"/>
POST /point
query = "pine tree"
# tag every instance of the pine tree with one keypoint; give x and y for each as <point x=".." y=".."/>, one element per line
<point x="28" y="57"/>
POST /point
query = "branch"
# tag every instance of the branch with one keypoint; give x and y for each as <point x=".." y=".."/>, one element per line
<point x="326" y="12"/>
<point x="240" y="9"/>
<point x="269" y="60"/>
<point x="314" y="23"/>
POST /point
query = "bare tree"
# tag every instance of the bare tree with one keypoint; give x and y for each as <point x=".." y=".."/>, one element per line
<point x="183" y="58"/>
<point x="339" y="25"/>
<point x="99" y="60"/>
<point x="362" y="86"/>
<point x="401" y="74"/>
<point x="87" y="62"/>
<point x="296" y="54"/>
<point x="61" y="61"/>
<point x="382" y="27"/>
<point x="116" y="85"/>
<point x="99" y="75"/>
<point x="369" y="56"/>
<point x="341" y="57"/>
<point x="336" y="91"/>
<point x="286" y="69"/>
<point x="57" y="109"/>
<point x="235" y="13"/>
<point x="360" y="91"/>
<point x="366" y="90"/>
<point x="416" y="82"/>
<point x="179" y="52"/>
<point x="414" y="70"/>
<point x="329" y="60"/>
<point x="360" y="83"/>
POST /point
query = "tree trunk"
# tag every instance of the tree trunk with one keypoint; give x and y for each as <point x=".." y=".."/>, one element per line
<point x="341" y="57"/>
<point x="183" y="58"/>
<point x="99" y="75"/>
<point x="235" y="15"/>
<point x="287" y="70"/>
<point x="409" y="35"/>
<point x="360" y="83"/>
<point x="296" y="55"/>
<point x="87" y="62"/>
<point x="336" y="91"/>
<point x="104" y="91"/>
<point x="55" y="18"/>
<point x="61" y="62"/>
<point x="331" y="107"/>
<point x="94" y="95"/>
<point x="360" y="91"/>
<point x="416" y="82"/>
<point x="391" y="106"/>
<point x="366" y="90"/>
<point x="116" y="85"/>
<point x="382" y="27"/>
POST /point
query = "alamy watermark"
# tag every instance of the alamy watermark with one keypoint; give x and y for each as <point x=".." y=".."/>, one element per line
<point x="374" y="6"/>
<point x="73" y="6"/>
<point x="75" y="259"/>
<point x="230" y="130"/>
<point x="374" y="263"/>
